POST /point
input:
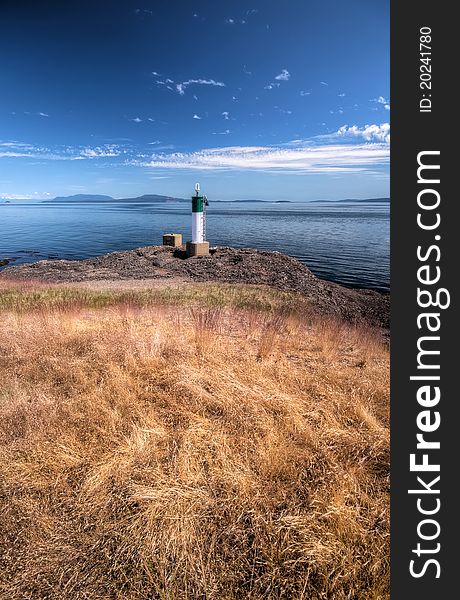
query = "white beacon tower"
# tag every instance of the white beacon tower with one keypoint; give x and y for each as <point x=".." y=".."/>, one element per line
<point x="199" y="202"/>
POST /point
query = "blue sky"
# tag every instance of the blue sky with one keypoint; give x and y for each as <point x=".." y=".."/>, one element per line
<point x="264" y="100"/>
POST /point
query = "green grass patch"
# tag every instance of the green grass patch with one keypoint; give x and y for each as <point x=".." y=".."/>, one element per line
<point x="27" y="298"/>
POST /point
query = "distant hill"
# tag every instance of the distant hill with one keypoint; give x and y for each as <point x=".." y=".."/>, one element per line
<point x="364" y="200"/>
<point x="154" y="198"/>
<point x="102" y="198"/>
<point x="81" y="198"/>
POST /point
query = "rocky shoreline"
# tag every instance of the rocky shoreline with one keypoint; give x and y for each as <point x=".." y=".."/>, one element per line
<point x="223" y="265"/>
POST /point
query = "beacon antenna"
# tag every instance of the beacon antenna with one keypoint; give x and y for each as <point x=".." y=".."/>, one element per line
<point x="197" y="188"/>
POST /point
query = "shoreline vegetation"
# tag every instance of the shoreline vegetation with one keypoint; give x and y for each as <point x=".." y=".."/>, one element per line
<point x="160" y="266"/>
<point x="183" y="438"/>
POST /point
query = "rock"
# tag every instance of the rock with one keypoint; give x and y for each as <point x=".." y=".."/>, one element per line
<point x="223" y="265"/>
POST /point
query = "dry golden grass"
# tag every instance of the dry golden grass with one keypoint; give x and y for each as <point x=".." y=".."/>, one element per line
<point x="219" y="452"/>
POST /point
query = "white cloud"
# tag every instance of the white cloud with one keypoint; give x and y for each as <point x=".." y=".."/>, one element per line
<point x="230" y="21"/>
<point x="283" y="76"/>
<point x="136" y="120"/>
<point x="383" y="101"/>
<point x="181" y="87"/>
<point x="60" y="152"/>
<point x="302" y="93"/>
<point x="13" y="144"/>
<point x="225" y="114"/>
<point x="11" y="154"/>
<point x="196" y="117"/>
<point x="342" y="95"/>
<point x="334" y="158"/>
<point x="100" y="152"/>
<point x="323" y="83"/>
<point x="369" y="133"/>
<point x="42" y="114"/>
<point x="226" y="132"/>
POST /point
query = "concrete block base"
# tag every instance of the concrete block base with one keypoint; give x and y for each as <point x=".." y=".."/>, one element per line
<point x="172" y="239"/>
<point x="197" y="248"/>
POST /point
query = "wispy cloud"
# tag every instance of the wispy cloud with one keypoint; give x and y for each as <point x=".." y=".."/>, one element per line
<point x="226" y="132"/>
<point x="181" y="87"/>
<point x="383" y="101"/>
<point x="33" y="114"/>
<point x="333" y="158"/>
<point x="136" y="120"/>
<point x="243" y="19"/>
<point x="143" y="12"/>
<point x="196" y="117"/>
<point x="226" y="114"/>
<point x="323" y="83"/>
<point x="13" y="144"/>
<point x="303" y="93"/>
<point x="22" y="150"/>
<point x="283" y="76"/>
<point x="100" y="152"/>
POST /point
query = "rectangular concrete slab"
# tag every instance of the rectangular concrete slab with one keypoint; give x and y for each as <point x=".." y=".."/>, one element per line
<point x="172" y="239"/>
<point x="197" y="248"/>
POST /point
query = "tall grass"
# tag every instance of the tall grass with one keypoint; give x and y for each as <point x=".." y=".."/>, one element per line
<point x="26" y="296"/>
<point x="219" y="452"/>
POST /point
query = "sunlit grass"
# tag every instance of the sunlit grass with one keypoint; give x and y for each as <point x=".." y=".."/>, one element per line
<point x="215" y="442"/>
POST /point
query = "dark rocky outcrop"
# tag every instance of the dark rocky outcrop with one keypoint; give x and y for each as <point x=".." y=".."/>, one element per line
<point x="225" y="265"/>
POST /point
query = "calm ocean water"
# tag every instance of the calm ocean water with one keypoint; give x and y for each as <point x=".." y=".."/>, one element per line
<point x="347" y="243"/>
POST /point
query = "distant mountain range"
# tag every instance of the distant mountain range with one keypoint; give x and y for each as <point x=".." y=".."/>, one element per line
<point x="366" y="200"/>
<point x="102" y="198"/>
<point x="83" y="198"/>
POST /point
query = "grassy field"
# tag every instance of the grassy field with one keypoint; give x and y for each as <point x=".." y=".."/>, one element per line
<point x="210" y="442"/>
